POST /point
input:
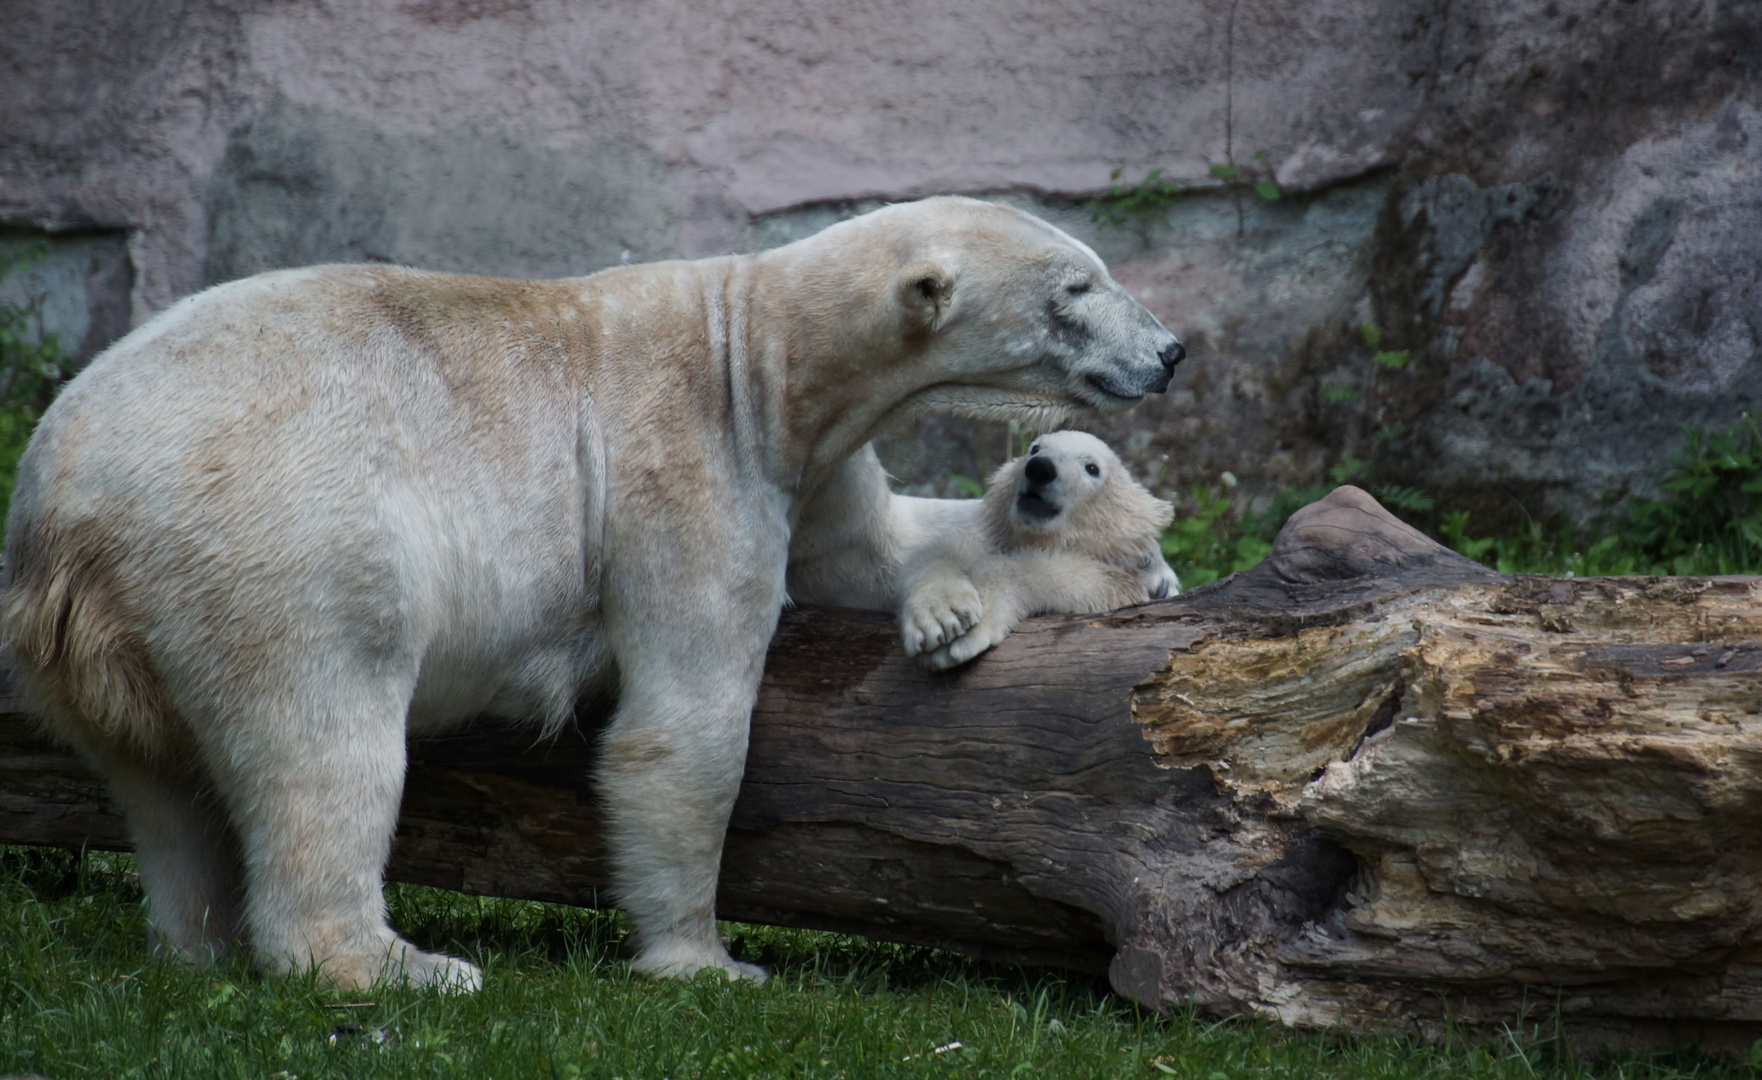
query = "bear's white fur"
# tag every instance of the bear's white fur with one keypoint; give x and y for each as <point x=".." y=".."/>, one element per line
<point x="295" y="518"/>
<point x="1063" y="528"/>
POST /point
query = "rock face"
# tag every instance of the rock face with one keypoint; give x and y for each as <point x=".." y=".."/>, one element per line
<point x="1549" y="204"/>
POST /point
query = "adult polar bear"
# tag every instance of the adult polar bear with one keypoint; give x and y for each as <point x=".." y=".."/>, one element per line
<point x="297" y="516"/>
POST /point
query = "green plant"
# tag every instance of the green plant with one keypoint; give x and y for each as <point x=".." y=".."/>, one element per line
<point x="1454" y="532"/>
<point x="1710" y="517"/>
<point x="30" y="368"/>
<point x="1237" y="177"/>
<point x="1347" y="469"/>
<point x="1145" y="201"/>
<point x="1016" y="440"/>
<point x="1398" y="498"/>
<point x="1533" y="549"/>
<point x="973" y="488"/>
<point x="1373" y="337"/>
<point x="1205" y="542"/>
<point x="1134" y="203"/>
<point x="1709" y="520"/>
<point x="1265" y="187"/>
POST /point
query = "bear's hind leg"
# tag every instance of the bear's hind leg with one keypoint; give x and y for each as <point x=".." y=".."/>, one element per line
<point x="313" y="782"/>
<point x="188" y="859"/>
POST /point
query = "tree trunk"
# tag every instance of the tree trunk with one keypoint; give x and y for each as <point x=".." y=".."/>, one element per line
<point x="1368" y="784"/>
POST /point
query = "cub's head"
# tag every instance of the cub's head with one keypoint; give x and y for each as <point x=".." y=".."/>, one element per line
<point x="1070" y="492"/>
<point x="998" y="315"/>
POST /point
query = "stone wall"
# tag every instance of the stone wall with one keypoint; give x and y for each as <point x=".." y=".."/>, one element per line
<point x="76" y="284"/>
<point x="1551" y="205"/>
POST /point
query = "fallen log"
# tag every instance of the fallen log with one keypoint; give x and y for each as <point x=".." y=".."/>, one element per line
<point x="1367" y="785"/>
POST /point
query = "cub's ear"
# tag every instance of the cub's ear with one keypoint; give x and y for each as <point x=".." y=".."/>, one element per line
<point x="925" y="290"/>
<point x="1161" y="512"/>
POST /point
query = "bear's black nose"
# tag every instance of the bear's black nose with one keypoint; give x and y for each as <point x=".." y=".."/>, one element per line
<point x="1172" y="355"/>
<point x="1040" y="471"/>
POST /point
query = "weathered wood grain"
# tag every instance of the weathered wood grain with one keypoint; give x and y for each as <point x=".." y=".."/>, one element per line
<point x="1367" y="785"/>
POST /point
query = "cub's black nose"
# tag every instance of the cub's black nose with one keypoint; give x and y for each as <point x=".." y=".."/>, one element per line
<point x="1040" y="471"/>
<point x="1172" y="355"/>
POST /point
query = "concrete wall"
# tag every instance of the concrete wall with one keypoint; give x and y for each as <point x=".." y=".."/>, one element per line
<point x="1552" y="204"/>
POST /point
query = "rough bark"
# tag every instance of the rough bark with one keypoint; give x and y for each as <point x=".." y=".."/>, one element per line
<point x="1367" y="785"/>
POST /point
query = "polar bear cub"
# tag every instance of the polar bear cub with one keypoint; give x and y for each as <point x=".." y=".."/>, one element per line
<point x="1064" y="528"/>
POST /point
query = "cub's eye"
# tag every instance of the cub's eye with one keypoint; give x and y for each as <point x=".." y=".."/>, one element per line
<point x="1078" y="288"/>
<point x="1092" y="469"/>
<point x="1035" y="449"/>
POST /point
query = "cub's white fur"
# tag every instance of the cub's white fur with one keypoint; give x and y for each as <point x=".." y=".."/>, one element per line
<point x="1063" y="528"/>
<point x="296" y="518"/>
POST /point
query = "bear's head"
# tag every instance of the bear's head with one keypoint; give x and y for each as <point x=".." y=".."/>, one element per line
<point x="1071" y="492"/>
<point x="993" y="313"/>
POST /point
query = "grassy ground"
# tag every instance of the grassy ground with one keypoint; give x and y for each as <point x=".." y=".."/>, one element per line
<point x="80" y="997"/>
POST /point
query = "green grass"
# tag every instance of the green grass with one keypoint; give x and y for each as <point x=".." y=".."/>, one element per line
<point x="1707" y="520"/>
<point x="80" y="997"/>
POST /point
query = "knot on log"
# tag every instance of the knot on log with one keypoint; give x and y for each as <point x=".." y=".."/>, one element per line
<point x="1348" y="536"/>
<point x="1343" y="546"/>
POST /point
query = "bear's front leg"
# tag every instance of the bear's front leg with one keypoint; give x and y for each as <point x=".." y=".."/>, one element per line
<point x="690" y="659"/>
<point x="669" y="769"/>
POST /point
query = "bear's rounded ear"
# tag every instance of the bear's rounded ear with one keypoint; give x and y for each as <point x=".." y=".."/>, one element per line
<point x="1161" y="512"/>
<point x="925" y="290"/>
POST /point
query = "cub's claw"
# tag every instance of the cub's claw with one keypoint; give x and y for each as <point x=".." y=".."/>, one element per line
<point x="963" y="648"/>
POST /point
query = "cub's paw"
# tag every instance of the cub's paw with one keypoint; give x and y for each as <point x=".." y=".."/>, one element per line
<point x="1154" y="574"/>
<point x="937" y="612"/>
